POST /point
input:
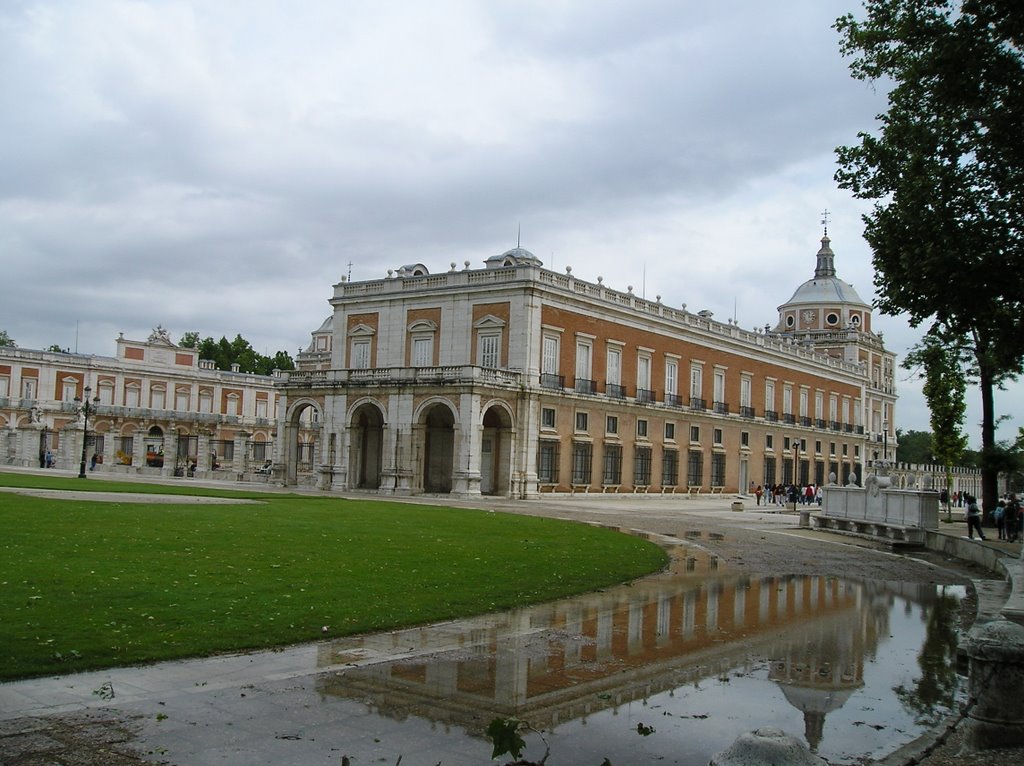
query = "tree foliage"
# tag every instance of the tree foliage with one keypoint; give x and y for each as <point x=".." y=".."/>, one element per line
<point x="6" y="340"/>
<point x="914" y="447"/>
<point x="225" y="353"/>
<point x="946" y="173"/>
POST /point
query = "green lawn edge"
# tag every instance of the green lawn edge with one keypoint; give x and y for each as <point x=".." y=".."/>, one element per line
<point x="86" y="585"/>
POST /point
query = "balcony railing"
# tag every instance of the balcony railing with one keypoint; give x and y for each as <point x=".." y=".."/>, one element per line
<point x="586" y="386"/>
<point x="645" y="396"/>
<point x="696" y="403"/>
<point x="835" y="425"/>
<point x="722" y="408"/>
<point x="771" y="416"/>
<point x="746" y="412"/>
<point x="615" y="391"/>
<point x="848" y="428"/>
<point x="805" y="421"/>
<point x="860" y="429"/>
<point x="789" y="418"/>
<point x="551" y="380"/>
<point x="820" y="423"/>
<point x="673" y="400"/>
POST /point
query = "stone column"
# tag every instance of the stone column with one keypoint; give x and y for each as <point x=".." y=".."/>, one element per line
<point x="995" y="717"/>
<point x="241" y="460"/>
<point x="170" y="448"/>
<point x="139" y="448"/>
<point x="203" y="463"/>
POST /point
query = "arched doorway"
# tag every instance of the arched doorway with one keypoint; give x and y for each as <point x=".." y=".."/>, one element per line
<point x="366" y="446"/>
<point x="438" y="449"/>
<point x="301" y="455"/>
<point x="495" y="451"/>
<point x="155" y="447"/>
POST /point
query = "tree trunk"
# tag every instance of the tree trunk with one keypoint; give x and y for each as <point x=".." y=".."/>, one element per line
<point x="989" y="471"/>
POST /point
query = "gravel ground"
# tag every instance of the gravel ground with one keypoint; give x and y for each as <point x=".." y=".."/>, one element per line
<point x="752" y="542"/>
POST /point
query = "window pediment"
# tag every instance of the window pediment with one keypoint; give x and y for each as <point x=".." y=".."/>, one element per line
<point x="489" y="322"/>
<point x="423" y="325"/>
<point x="363" y="330"/>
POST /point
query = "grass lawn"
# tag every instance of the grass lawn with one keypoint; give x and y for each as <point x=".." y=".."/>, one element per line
<point x="87" y="585"/>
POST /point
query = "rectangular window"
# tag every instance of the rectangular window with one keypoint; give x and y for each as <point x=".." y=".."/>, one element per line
<point x="233" y="404"/>
<point x="769" y="441"/>
<point x="671" y="376"/>
<point x="181" y="401"/>
<point x="744" y="438"/>
<point x="718" y="469"/>
<point x="611" y="424"/>
<point x="643" y="371"/>
<point x="719" y="385"/>
<point x="769" y="471"/>
<point x="696" y="381"/>
<point x="582" y="422"/>
<point x="261" y="408"/>
<point x="695" y="433"/>
<point x="156" y="398"/>
<point x="716" y="436"/>
<point x="360" y="355"/>
<point x="614" y="371"/>
<point x="641" y="428"/>
<point x="745" y="387"/>
<point x="547" y="417"/>
<point x="670" y="468"/>
<point x="769" y="396"/>
<point x="803" y="403"/>
<point x="582" y="457"/>
<point x="69" y="391"/>
<point x="583" y="361"/>
<point x="489" y="350"/>
<point x="611" y="474"/>
<point x="670" y="432"/>
<point x="205" y="401"/>
<point x="423" y="352"/>
<point x="549" y="361"/>
<point x="695" y="468"/>
<point x="547" y="462"/>
<point x="819" y="405"/>
<point x="787" y="400"/>
<point x="28" y="388"/>
<point x="131" y="396"/>
<point x="642" y="467"/>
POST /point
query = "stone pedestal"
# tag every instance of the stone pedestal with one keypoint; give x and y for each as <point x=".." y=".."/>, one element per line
<point x="996" y="715"/>
<point x="767" y="746"/>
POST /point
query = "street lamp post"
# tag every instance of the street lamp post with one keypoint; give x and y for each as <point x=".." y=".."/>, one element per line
<point x="885" y="440"/>
<point x="87" y="407"/>
<point x="795" y="442"/>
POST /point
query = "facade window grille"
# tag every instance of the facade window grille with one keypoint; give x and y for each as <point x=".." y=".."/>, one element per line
<point x="582" y="457"/>
<point x="695" y="468"/>
<point x="769" y="471"/>
<point x="547" y="462"/>
<point x="694" y="433"/>
<point x="670" y="468"/>
<point x="489" y="346"/>
<point x="642" y="467"/>
<point x="670" y="432"/>
<point x="611" y="424"/>
<point x="718" y="469"/>
<point x="582" y="422"/>
<point x="611" y="474"/>
<point x="547" y="417"/>
<point x="641" y="428"/>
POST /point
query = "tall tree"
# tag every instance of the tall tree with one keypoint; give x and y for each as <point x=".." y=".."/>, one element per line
<point x="7" y="340"/>
<point x="225" y="353"/>
<point x="945" y="391"/>
<point x="946" y="172"/>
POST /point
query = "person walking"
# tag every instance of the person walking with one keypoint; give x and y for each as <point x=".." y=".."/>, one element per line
<point x="973" y="517"/>
<point x="758" y="492"/>
<point x="997" y="516"/>
<point x="1012" y="518"/>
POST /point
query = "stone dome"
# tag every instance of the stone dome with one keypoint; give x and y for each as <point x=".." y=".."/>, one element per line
<point x="825" y="288"/>
<point x="515" y="257"/>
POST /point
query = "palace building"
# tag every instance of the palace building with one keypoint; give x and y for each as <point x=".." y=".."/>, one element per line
<point x="155" y="409"/>
<point x="514" y="380"/>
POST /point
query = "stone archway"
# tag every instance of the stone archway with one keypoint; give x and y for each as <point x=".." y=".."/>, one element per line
<point x="438" y="449"/>
<point x="366" y="447"/>
<point x="302" y="432"/>
<point x="496" y="452"/>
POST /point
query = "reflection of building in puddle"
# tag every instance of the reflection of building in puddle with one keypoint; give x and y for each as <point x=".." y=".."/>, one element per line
<point x="570" y="659"/>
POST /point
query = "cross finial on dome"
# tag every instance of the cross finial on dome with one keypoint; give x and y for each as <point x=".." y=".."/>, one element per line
<point x="824" y="220"/>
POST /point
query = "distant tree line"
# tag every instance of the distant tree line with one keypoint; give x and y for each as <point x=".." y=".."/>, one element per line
<point x="225" y="353"/>
<point x="918" y="447"/>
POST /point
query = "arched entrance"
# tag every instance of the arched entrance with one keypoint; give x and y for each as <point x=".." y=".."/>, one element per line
<point x="301" y="447"/>
<point x="495" y="451"/>
<point x="155" y="447"/>
<point x="366" y="443"/>
<point x="438" y="449"/>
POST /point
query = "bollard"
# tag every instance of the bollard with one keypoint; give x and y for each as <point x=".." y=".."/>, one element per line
<point x="995" y="715"/>
<point x="737" y="505"/>
<point x="767" y="745"/>
<point x="805" y="519"/>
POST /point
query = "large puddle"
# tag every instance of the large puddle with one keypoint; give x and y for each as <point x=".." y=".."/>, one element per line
<point x="671" y="669"/>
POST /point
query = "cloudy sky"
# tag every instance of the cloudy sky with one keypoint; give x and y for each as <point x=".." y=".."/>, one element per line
<point x="218" y="166"/>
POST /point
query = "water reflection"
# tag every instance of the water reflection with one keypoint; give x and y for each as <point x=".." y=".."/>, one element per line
<point x="697" y="656"/>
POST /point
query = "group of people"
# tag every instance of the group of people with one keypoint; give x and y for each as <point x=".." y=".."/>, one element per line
<point x="780" y="494"/>
<point x="1006" y="517"/>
